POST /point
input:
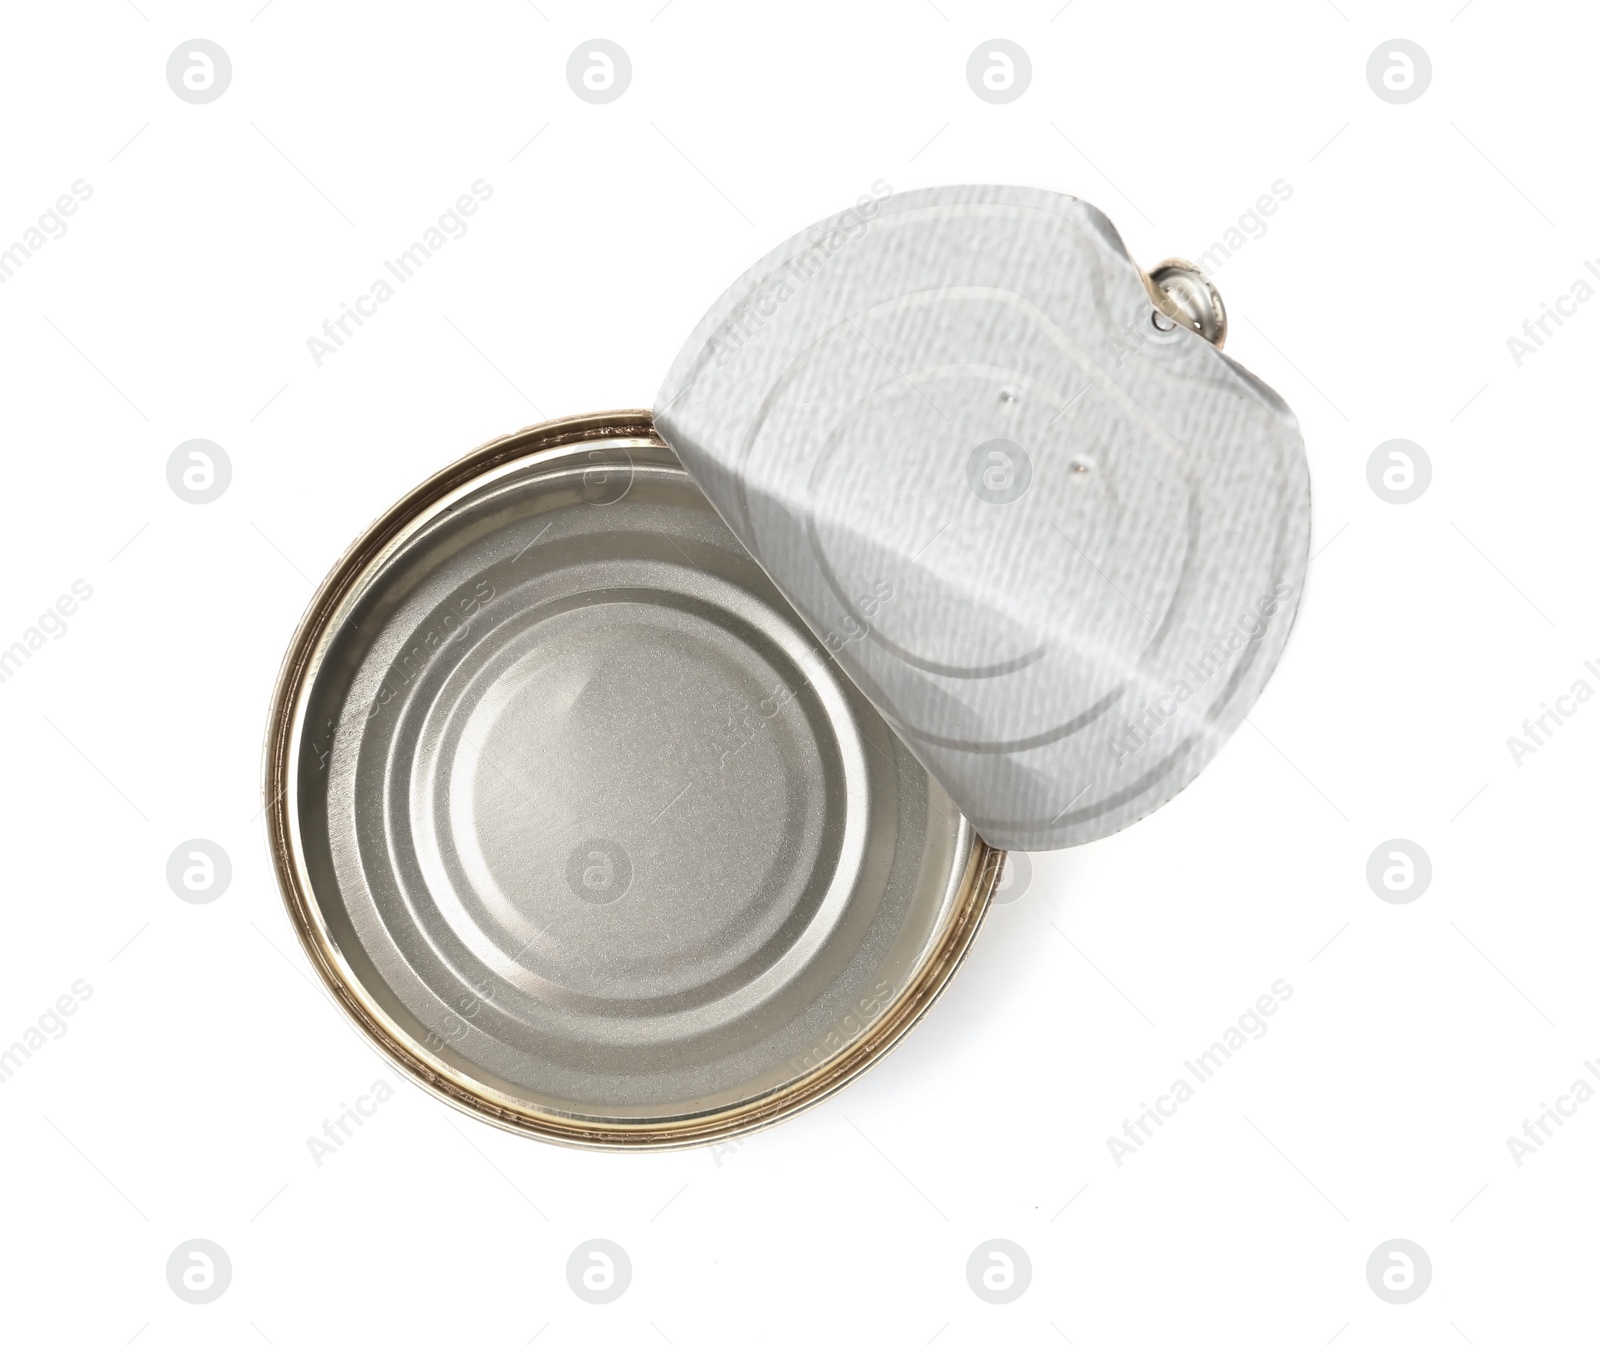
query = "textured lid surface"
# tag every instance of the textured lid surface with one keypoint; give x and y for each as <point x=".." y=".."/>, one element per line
<point x="1059" y="547"/>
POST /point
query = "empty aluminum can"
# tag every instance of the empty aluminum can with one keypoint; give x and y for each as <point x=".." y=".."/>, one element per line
<point x="583" y="826"/>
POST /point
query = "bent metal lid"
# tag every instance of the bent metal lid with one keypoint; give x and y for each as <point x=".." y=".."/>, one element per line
<point x="1093" y="524"/>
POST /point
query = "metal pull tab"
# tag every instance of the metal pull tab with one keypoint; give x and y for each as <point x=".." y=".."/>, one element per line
<point x="1185" y="293"/>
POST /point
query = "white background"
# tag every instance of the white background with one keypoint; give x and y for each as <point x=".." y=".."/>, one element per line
<point x="1418" y="1037"/>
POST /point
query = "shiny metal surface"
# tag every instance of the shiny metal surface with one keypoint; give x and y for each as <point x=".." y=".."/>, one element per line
<point x="583" y="825"/>
<point x="1187" y="295"/>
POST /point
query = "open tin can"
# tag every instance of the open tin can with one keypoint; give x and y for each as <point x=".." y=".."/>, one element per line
<point x="582" y="824"/>
<point x="582" y="787"/>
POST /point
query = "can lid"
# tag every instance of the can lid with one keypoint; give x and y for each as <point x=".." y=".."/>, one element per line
<point x="1056" y="537"/>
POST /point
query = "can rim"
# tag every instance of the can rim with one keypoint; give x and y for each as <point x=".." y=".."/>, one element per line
<point x="944" y="953"/>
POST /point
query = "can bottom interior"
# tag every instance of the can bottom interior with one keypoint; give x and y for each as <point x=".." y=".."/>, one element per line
<point x="584" y="826"/>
